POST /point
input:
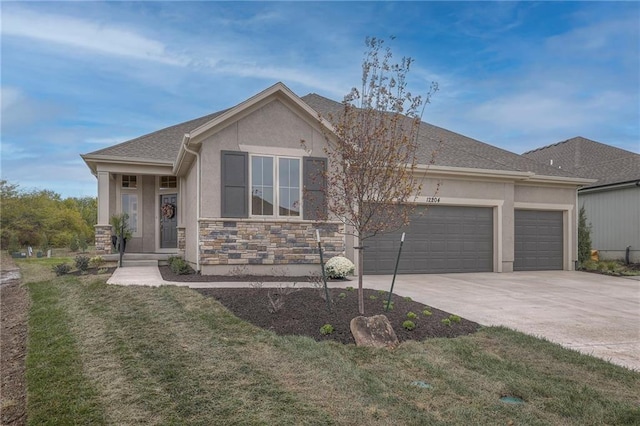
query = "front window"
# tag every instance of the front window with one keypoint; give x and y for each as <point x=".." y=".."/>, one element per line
<point x="289" y="187"/>
<point x="130" y="207"/>
<point x="262" y="186"/>
<point x="129" y="201"/>
<point x="129" y="181"/>
<point x="168" y="182"/>
<point x="275" y="181"/>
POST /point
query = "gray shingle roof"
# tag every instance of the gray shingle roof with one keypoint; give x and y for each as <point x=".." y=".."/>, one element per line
<point x="452" y="149"/>
<point x="162" y="145"/>
<point x="591" y="159"/>
<point x="455" y="150"/>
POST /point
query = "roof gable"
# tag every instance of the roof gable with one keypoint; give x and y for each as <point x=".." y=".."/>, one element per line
<point x="161" y="145"/>
<point x="166" y="146"/>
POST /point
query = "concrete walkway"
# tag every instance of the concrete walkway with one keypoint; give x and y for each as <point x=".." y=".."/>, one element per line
<point x="594" y="314"/>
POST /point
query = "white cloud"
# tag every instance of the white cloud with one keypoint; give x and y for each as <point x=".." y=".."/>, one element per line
<point x="9" y="97"/>
<point x="524" y="109"/>
<point x="287" y="75"/>
<point x="19" y="110"/>
<point x="100" y="38"/>
<point x="13" y="152"/>
<point x="603" y="37"/>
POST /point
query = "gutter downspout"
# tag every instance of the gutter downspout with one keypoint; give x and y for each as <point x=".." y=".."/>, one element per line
<point x="576" y="218"/>
<point x="185" y="141"/>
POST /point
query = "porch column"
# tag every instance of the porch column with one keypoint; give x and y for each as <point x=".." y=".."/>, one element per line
<point x="103" y="228"/>
<point x="103" y="198"/>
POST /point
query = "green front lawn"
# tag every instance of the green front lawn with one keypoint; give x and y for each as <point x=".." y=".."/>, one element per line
<point x="137" y="355"/>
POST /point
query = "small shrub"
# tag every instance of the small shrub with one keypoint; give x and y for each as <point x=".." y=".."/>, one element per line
<point x="82" y="243"/>
<point x="342" y="295"/>
<point x="373" y="297"/>
<point x="339" y="267"/>
<point x="326" y="329"/>
<point x="82" y="263"/>
<point x="179" y="266"/>
<point x="612" y="265"/>
<point x="103" y="270"/>
<point x="408" y="299"/>
<point x="349" y="288"/>
<point x="14" y="245"/>
<point x="427" y="313"/>
<point x="61" y="269"/>
<point x="409" y="325"/>
<point x="446" y="321"/>
<point x="584" y="237"/>
<point x="590" y="265"/>
<point x="411" y="315"/>
<point x="388" y="304"/>
<point x="317" y="282"/>
<point x="96" y="261"/>
<point x="381" y="292"/>
<point x="276" y="301"/>
<point x="73" y="244"/>
<point x="455" y="318"/>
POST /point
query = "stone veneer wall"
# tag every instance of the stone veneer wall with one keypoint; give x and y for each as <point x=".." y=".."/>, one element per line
<point x="260" y="242"/>
<point x="182" y="238"/>
<point x="103" y="239"/>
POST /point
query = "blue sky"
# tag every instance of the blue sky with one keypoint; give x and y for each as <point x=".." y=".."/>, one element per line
<point x="79" y="76"/>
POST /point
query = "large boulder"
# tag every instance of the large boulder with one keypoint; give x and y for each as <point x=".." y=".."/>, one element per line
<point x="374" y="332"/>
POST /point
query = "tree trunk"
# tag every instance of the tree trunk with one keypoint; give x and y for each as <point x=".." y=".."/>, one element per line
<point x="360" y="273"/>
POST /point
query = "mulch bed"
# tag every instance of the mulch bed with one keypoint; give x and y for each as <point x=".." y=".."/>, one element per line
<point x="305" y="312"/>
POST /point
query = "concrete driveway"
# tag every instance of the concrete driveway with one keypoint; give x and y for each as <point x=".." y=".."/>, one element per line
<point x="594" y="314"/>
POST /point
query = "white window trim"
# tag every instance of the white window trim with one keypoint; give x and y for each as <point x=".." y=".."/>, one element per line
<point x="276" y="186"/>
<point x="165" y="190"/>
<point x="138" y="191"/>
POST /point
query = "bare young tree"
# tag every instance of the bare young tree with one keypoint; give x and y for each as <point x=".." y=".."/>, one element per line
<point x="371" y="181"/>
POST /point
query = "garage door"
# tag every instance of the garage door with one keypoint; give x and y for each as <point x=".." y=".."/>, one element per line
<point x="441" y="239"/>
<point x="538" y="240"/>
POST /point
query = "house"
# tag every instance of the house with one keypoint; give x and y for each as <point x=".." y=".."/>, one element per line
<point x="612" y="202"/>
<point x="233" y="189"/>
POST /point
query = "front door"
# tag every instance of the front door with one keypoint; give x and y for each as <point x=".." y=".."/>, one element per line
<point x="168" y="221"/>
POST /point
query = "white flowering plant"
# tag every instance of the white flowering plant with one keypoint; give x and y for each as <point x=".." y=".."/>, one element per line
<point x="339" y="267"/>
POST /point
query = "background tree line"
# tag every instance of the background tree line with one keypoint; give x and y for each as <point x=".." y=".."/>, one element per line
<point x="41" y="219"/>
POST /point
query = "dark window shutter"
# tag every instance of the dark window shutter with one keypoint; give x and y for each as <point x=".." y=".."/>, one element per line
<point x="235" y="184"/>
<point x="314" y="184"/>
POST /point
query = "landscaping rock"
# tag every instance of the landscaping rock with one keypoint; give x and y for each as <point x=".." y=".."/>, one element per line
<point x="375" y="331"/>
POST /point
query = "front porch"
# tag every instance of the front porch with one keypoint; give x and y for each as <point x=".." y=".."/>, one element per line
<point x="152" y="204"/>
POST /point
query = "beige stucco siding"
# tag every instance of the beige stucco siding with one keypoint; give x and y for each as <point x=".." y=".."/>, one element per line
<point x="273" y="127"/>
<point x="189" y="218"/>
<point x="545" y="194"/>
<point x="112" y="196"/>
<point x="148" y="214"/>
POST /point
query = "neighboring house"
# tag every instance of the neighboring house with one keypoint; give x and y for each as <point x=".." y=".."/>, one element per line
<point x="236" y="188"/>
<point x="612" y="203"/>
